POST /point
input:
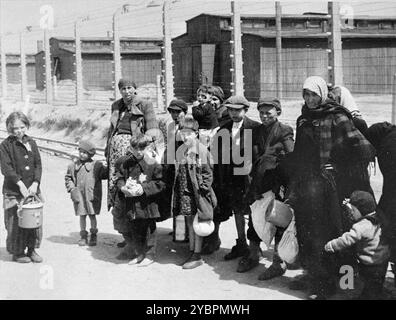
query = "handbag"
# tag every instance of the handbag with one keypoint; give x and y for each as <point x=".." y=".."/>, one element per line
<point x="288" y="246"/>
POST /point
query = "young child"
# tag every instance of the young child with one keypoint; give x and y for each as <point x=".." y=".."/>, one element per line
<point x="83" y="181"/>
<point x="193" y="182"/>
<point x="204" y="113"/>
<point x="21" y="167"/>
<point x="371" y="248"/>
<point x="139" y="185"/>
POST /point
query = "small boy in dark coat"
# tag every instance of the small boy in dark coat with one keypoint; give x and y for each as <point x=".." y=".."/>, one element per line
<point x="139" y="185"/>
<point x="83" y="181"/>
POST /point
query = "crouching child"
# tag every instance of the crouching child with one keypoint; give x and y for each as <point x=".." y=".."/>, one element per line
<point x="139" y="186"/>
<point x="368" y="235"/>
<point x="83" y="180"/>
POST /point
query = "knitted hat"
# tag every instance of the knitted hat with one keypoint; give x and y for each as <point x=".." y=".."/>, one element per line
<point x="87" y="146"/>
<point x="237" y="102"/>
<point x="274" y="102"/>
<point x="126" y="83"/>
<point x="178" y="104"/>
<point x="363" y="201"/>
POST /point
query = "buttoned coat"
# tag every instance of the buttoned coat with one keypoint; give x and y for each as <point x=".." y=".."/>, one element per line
<point x="83" y="181"/>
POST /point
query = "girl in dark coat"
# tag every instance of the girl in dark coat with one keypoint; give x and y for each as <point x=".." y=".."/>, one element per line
<point x="383" y="137"/>
<point x="329" y="162"/>
<point x="21" y="167"/>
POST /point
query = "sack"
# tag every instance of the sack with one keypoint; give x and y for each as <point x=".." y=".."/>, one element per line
<point x="288" y="246"/>
<point x="206" y="204"/>
<point x="279" y="214"/>
<point x="264" y="229"/>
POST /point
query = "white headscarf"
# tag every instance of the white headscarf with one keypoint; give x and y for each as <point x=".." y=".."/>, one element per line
<point x="318" y="85"/>
<point x="347" y="100"/>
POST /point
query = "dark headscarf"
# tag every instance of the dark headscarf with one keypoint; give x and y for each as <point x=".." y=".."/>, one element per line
<point x="377" y="133"/>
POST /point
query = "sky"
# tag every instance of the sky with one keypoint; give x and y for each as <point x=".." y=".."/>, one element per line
<point x="140" y="20"/>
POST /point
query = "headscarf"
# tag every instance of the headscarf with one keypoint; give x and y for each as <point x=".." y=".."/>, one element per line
<point x="378" y="132"/>
<point x="346" y="99"/>
<point x="318" y="85"/>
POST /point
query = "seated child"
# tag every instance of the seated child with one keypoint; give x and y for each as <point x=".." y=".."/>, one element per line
<point x="83" y="181"/>
<point x="139" y="185"/>
<point x="371" y="249"/>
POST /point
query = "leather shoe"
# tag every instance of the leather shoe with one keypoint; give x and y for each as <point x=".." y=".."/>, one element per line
<point x="137" y="259"/>
<point x="274" y="270"/>
<point x="22" y="258"/>
<point x="194" y="262"/>
<point x="247" y="264"/>
<point x="33" y="255"/>
<point x="239" y="250"/>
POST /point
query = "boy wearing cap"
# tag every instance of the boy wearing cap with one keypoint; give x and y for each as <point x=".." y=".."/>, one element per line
<point x="367" y="234"/>
<point x="272" y="140"/>
<point x="83" y="182"/>
<point x="232" y="176"/>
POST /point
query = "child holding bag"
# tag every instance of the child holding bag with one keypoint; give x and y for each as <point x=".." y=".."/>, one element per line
<point x="192" y="190"/>
<point x="83" y="181"/>
<point x="21" y="167"/>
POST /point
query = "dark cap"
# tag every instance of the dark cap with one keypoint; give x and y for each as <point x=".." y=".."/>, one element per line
<point x="274" y="102"/>
<point x="363" y="201"/>
<point x="126" y="83"/>
<point x="87" y="146"/>
<point x="178" y="104"/>
<point x="237" y="102"/>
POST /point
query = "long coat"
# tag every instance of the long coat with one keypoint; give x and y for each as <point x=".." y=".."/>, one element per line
<point x="84" y="183"/>
<point x="200" y="171"/>
<point x="149" y="173"/>
<point x="231" y="188"/>
<point x="270" y="146"/>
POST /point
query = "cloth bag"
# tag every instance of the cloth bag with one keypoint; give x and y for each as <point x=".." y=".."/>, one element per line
<point x="288" y="246"/>
<point x="264" y="229"/>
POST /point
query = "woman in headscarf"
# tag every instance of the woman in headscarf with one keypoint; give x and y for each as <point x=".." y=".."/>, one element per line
<point x="321" y="178"/>
<point x="383" y="137"/>
<point x="130" y="115"/>
<point x="343" y="97"/>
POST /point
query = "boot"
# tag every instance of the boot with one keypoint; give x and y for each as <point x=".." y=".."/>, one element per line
<point x="250" y="261"/>
<point x="33" y="255"/>
<point x="241" y="249"/>
<point x="21" y="258"/>
<point x="84" y="238"/>
<point x="93" y="237"/>
<point x="212" y="242"/>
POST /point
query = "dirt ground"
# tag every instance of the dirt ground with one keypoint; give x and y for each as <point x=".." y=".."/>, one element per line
<point x="73" y="272"/>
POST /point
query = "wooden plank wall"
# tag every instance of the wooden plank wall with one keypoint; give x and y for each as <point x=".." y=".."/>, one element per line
<point x="143" y="69"/>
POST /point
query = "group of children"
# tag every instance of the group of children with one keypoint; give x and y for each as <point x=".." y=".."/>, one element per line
<point x="203" y="191"/>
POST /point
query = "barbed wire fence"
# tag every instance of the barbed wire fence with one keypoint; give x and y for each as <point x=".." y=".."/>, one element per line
<point x="248" y="57"/>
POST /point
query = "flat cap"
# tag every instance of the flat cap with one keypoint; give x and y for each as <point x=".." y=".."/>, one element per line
<point x="237" y="102"/>
<point x="269" y="102"/>
<point x="178" y="104"/>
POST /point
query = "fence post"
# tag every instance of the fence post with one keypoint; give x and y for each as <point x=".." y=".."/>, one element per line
<point x="236" y="50"/>
<point x="116" y="55"/>
<point x="79" y="84"/>
<point x="335" y="45"/>
<point x="160" y="101"/>
<point x="48" y="75"/>
<point x="3" y="68"/>
<point x="278" y="21"/>
<point x="167" y="54"/>
<point x="394" y="100"/>
<point x="23" y="67"/>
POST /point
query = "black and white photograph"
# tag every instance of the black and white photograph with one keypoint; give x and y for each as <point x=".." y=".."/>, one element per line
<point x="213" y="153"/>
